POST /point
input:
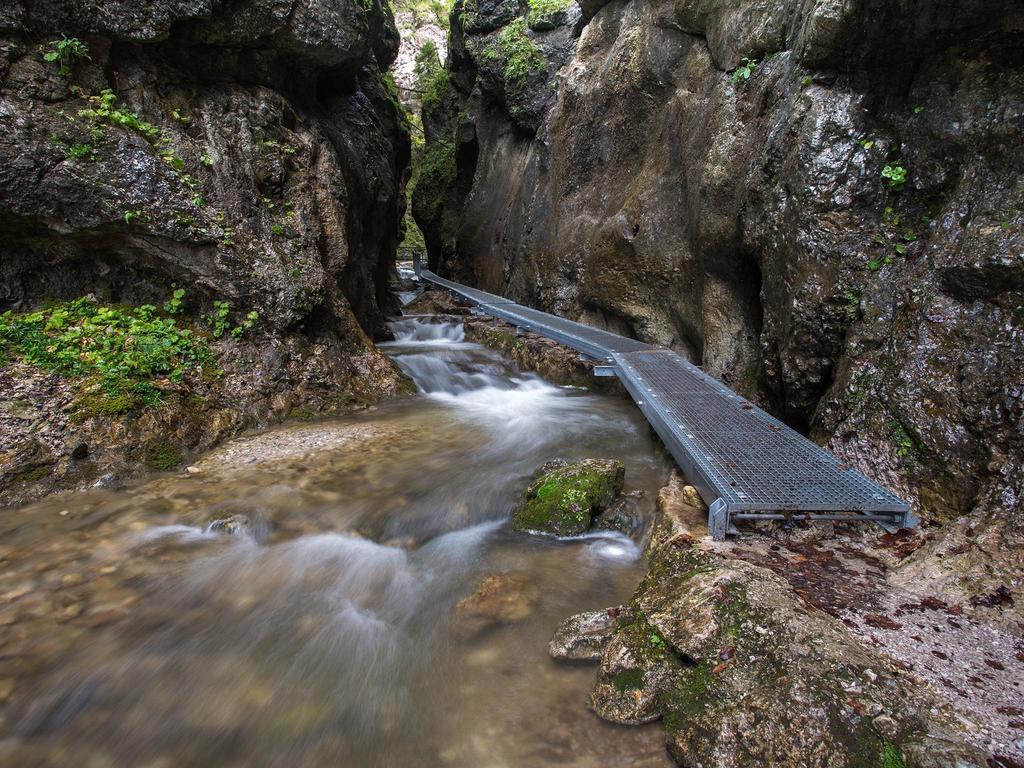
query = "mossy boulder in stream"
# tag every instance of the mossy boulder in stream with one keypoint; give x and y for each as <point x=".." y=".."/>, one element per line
<point x="563" y="498"/>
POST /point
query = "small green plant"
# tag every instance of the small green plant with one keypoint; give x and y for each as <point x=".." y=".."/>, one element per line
<point x="66" y="52"/>
<point x="246" y="325"/>
<point x="657" y="642"/>
<point x="918" y="110"/>
<point x="902" y="442"/>
<point x="130" y="216"/>
<point x="77" y="151"/>
<point x="206" y="160"/>
<point x="895" y="176"/>
<point x="867" y="143"/>
<point x="198" y="201"/>
<point x="277" y="229"/>
<point x="544" y="12"/>
<point x="115" y="353"/>
<point x="807" y="81"/>
<point x="743" y="72"/>
<point x="219" y="317"/>
<point x="851" y="303"/>
<point x="178" y="116"/>
<point x="173" y="305"/>
<point x="167" y="153"/>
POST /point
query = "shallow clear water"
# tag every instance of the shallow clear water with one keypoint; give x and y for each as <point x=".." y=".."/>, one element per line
<point x="325" y="632"/>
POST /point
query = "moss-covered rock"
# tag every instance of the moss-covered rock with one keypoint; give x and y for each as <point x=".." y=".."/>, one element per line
<point x="563" y="500"/>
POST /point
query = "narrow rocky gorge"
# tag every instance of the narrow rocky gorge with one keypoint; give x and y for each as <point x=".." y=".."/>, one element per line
<point x="818" y="202"/>
<point x="444" y="539"/>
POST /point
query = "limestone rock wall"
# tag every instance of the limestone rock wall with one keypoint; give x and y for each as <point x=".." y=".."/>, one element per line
<point x="608" y="162"/>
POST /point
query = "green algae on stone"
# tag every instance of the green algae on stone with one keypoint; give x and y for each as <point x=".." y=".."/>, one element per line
<point x="564" y="500"/>
<point x="628" y="680"/>
<point x="161" y="455"/>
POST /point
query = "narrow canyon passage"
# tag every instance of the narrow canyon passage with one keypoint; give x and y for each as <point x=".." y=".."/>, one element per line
<point x="294" y="600"/>
<point x="266" y="500"/>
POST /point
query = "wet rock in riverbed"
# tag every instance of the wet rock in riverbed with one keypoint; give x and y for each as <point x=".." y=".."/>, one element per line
<point x="499" y="598"/>
<point x="435" y="302"/>
<point x="583" y="637"/>
<point x="233" y="525"/>
<point x="623" y="516"/>
<point x="563" y="498"/>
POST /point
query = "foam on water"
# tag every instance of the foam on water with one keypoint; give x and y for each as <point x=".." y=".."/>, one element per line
<point x="416" y="331"/>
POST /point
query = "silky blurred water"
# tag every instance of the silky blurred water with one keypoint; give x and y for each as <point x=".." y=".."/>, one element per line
<point x="322" y="631"/>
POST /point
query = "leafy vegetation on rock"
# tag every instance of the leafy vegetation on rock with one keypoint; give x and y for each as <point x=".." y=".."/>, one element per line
<point x="117" y="353"/>
<point x="521" y="56"/>
<point x="744" y="71"/>
<point x="544" y="13"/>
<point x="435" y="174"/>
<point x="66" y="52"/>
<point x="431" y="76"/>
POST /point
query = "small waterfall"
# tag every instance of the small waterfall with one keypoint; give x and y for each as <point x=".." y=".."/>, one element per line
<point x="521" y="411"/>
<point x="415" y="330"/>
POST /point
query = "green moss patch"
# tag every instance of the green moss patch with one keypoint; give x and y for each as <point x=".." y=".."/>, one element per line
<point x="435" y="176"/>
<point x="628" y="680"/>
<point x="161" y="455"/>
<point x="34" y="474"/>
<point x="891" y="756"/>
<point x="564" y="501"/>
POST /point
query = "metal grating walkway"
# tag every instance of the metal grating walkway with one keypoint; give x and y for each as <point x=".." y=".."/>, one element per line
<point x="745" y="463"/>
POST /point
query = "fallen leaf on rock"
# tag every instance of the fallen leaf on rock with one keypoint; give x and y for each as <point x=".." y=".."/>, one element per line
<point x="881" y="622"/>
<point x="995" y="599"/>
<point x="902" y="543"/>
<point x="719" y="669"/>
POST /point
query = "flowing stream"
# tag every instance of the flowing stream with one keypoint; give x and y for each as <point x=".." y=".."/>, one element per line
<point x="316" y="623"/>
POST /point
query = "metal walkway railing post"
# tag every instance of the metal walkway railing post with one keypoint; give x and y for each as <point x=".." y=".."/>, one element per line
<point x="416" y="264"/>
<point x="718" y="519"/>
